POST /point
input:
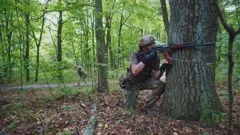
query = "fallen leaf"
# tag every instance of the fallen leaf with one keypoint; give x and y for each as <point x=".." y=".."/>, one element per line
<point x="105" y="126"/>
<point x="83" y="105"/>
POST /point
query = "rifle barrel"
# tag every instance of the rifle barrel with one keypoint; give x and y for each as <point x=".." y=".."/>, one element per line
<point x="168" y="47"/>
<point x="196" y="44"/>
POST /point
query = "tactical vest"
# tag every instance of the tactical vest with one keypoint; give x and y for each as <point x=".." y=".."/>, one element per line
<point x="81" y="73"/>
<point x="147" y="70"/>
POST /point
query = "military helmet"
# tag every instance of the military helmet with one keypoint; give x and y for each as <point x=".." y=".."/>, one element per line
<point x="146" y="40"/>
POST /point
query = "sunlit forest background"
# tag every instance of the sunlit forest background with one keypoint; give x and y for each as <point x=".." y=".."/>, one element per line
<point x="39" y="39"/>
<point x="42" y="42"/>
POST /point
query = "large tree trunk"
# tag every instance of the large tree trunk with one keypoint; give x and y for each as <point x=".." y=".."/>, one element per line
<point x="190" y="85"/>
<point x="101" y="48"/>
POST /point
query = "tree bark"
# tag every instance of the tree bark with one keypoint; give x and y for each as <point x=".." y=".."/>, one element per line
<point x="59" y="45"/>
<point x="8" y="22"/>
<point x="232" y="34"/>
<point x="122" y="22"/>
<point x="93" y="38"/>
<point x="101" y="48"/>
<point x="38" y="42"/>
<point x="26" y="58"/>
<point x="109" y="17"/>
<point x="190" y="85"/>
<point x="2" y="58"/>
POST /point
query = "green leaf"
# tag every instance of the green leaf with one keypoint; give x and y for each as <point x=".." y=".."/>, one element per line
<point x="12" y="125"/>
<point x="67" y="108"/>
<point x="205" y="133"/>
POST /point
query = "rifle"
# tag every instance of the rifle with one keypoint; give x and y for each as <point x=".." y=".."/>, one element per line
<point x="171" y="46"/>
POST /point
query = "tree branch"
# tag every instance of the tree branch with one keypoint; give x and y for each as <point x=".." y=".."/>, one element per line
<point x="165" y="15"/>
<point x="67" y="20"/>
<point x="127" y="17"/>
<point x="223" y="20"/>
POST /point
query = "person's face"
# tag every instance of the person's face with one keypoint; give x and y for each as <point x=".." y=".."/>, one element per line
<point x="147" y="47"/>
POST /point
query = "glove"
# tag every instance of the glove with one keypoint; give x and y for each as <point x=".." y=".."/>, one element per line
<point x="165" y="66"/>
<point x="151" y="56"/>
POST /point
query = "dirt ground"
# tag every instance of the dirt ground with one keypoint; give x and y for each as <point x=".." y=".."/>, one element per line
<point x="22" y="113"/>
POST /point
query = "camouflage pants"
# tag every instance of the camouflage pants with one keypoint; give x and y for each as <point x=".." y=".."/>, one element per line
<point x="131" y="93"/>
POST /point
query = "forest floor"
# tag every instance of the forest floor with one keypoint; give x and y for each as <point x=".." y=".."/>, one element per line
<point x="39" y="86"/>
<point x="35" y="112"/>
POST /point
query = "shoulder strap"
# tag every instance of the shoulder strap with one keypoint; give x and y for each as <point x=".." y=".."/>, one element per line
<point x="139" y="56"/>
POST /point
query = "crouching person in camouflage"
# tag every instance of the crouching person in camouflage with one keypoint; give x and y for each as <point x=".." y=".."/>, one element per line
<point x="144" y="73"/>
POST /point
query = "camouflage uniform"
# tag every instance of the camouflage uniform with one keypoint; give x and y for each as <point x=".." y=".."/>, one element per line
<point x="142" y="81"/>
<point x="81" y="73"/>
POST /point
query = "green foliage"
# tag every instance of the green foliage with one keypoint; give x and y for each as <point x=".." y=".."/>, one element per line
<point x="212" y="117"/>
<point x="73" y="119"/>
<point x="78" y="37"/>
<point x="10" y="108"/>
<point x="68" y="132"/>
<point x="67" y="92"/>
<point x="67" y="108"/>
<point x="79" y="47"/>
<point x="238" y="85"/>
<point x="148" y="132"/>
<point x="205" y="133"/>
<point x="221" y="72"/>
<point x="93" y="120"/>
<point x="223" y="93"/>
<point x="12" y="125"/>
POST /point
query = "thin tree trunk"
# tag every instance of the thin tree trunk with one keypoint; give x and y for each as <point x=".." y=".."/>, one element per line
<point x="9" y="56"/>
<point x="20" y="42"/>
<point x="232" y="34"/>
<point x="8" y="68"/>
<point x="37" y="63"/>
<point x="2" y="58"/>
<point x="87" y="48"/>
<point x="59" y="45"/>
<point x="26" y="58"/>
<point x="121" y="24"/>
<point x="38" y="48"/>
<point x="38" y="43"/>
<point x="109" y="38"/>
<point x="230" y="91"/>
<point x="219" y="48"/>
<point x="93" y="38"/>
<point x="101" y="48"/>
<point x="120" y="35"/>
